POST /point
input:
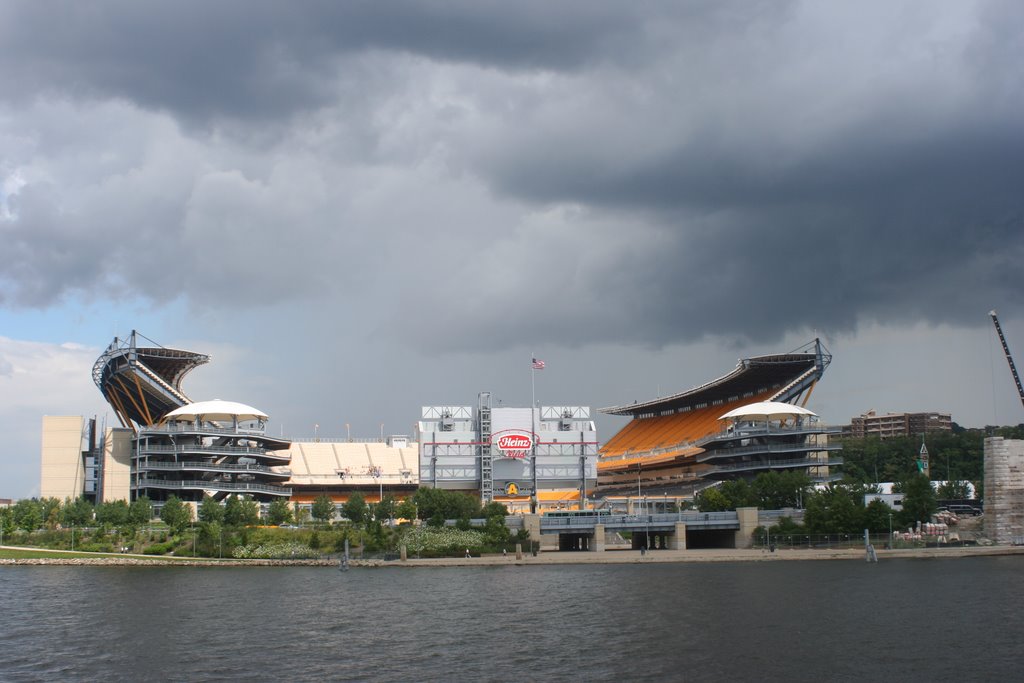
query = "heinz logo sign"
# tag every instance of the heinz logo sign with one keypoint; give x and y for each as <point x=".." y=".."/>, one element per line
<point x="514" y="444"/>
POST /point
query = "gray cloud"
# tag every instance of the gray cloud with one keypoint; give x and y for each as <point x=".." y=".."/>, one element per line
<point x="587" y="173"/>
<point x="260" y="60"/>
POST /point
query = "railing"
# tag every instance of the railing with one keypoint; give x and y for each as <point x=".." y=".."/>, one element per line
<point x="162" y="465"/>
<point x="582" y="522"/>
<point x="146" y="482"/>
<point x="766" y="448"/>
<point x="771" y="517"/>
<point x="201" y="448"/>
<point x="338" y="439"/>
<point x="189" y="428"/>
<point x="775" y="464"/>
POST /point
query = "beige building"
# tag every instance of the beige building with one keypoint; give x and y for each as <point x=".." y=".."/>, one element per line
<point x="74" y="462"/>
<point x="898" y="424"/>
<point x="337" y="468"/>
<point x="64" y="442"/>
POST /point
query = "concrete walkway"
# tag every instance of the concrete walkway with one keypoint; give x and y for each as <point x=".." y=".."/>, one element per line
<point x="552" y="558"/>
<point x="723" y="555"/>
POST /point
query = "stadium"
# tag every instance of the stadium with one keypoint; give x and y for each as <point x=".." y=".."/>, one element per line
<point x="748" y="421"/>
<point x="169" y="445"/>
<point x="545" y="459"/>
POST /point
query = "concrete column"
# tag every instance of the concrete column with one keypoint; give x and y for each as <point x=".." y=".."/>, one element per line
<point x="1004" y="489"/>
<point x="597" y="541"/>
<point x="532" y="525"/>
<point x="405" y="554"/>
<point x="677" y="541"/>
<point x="748" y="522"/>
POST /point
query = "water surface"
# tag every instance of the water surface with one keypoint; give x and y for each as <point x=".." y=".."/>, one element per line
<point x="898" y="620"/>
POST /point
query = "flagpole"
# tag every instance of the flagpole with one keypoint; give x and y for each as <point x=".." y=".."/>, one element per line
<point x="533" y="427"/>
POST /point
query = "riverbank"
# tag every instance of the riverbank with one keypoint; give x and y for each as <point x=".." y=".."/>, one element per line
<point x="545" y="558"/>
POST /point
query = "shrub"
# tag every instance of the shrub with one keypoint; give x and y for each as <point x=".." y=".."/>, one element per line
<point x="158" y="549"/>
<point x="275" y="551"/>
<point x="441" y="542"/>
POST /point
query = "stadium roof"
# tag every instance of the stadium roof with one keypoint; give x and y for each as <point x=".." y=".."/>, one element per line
<point x="216" y="410"/>
<point x="142" y="384"/>
<point x="789" y="373"/>
<point x="766" y="410"/>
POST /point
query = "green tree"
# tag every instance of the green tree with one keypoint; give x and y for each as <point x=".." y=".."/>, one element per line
<point x="300" y="513"/>
<point x="740" y="494"/>
<point x="447" y="504"/>
<point x="877" y="517"/>
<point x="176" y="514"/>
<point x="712" y="500"/>
<point x="954" y="490"/>
<point x="495" y="531"/>
<point x="837" y="509"/>
<point x="385" y="510"/>
<point x="234" y="516"/>
<point x="787" y="527"/>
<point x="28" y="514"/>
<point x="210" y="511"/>
<point x="78" y="512"/>
<point x="250" y="511"/>
<point x="279" y="512"/>
<point x="140" y="511"/>
<point x="7" y="520"/>
<point x="407" y="509"/>
<point x="777" y="490"/>
<point x="355" y="508"/>
<point x="323" y="509"/>
<point x="51" y="512"/>
<point x="919" y="502"/>
<point x="494" y="509"/>
<point x="112" y="513"/>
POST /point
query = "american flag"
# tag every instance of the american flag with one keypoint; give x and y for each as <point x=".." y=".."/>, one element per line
<point x="538" y="364"/>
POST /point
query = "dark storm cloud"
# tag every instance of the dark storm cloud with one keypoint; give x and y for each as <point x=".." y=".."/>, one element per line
<point x="573" y="172"/>
<point x="261" y="59"/>
<point x="906" y="206"/>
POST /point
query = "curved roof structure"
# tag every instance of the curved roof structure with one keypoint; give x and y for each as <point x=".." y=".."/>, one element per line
<point x="216" y="410"/>
<point x="672" y="431"/>
<point x="766" y="410"/>
<point x="782" y="377"/>
<point x="143" y="383"/>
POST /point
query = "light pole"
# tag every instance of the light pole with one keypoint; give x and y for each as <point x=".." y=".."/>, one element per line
<point x="638" y="486"/>
<point x="647" y="527"/>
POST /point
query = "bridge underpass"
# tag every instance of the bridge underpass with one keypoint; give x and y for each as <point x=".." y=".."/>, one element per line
<point x="673" y="531"/>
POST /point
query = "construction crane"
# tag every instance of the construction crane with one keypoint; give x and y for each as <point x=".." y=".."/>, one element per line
<point x="1009" y="358"/>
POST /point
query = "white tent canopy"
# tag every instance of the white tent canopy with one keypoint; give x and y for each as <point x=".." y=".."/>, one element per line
<point x="216" y="410"/>
<point x="766" y="410"/>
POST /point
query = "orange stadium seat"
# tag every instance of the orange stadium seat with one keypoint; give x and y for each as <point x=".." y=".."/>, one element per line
<point x="643" y="435"/>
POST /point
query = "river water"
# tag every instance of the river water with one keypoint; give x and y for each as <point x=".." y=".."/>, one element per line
<point x="898" y="620"/>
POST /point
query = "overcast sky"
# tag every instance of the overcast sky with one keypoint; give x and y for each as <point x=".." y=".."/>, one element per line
<point x="360" y="208"/>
